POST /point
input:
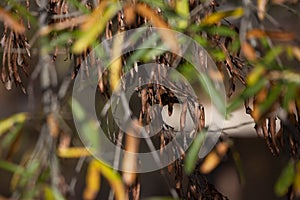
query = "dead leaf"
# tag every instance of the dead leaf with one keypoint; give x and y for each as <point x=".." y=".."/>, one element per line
<point x="167" y="35"/>
<point x="275" y="35"/>
<point x="129" y="14"/>
<point x="248" y="51"/>
<point x="11" y="22"/>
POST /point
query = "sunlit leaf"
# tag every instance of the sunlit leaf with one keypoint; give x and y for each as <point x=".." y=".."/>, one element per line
<point x="285" y="179"/>
<point x="52" y="194"/>
<point x="7" y="123"/>
<point x="11" y="22"/>
<point x="182" y="9"/>
<point x="129" y="14"/>
<point x="213" y="159"/>
<point x="218" y="16"/>
<point x="92" y="181"/>
<point x="95" y="24"/>
<point x="296" y="52"/>
<point x="73" y="152"/>
<point x="112" y="177"/>
<point x="192" y="154"/>
<point x="261" y="8"/>
<point x="116" y="65"/>
<point x="130" y="160"/>
<point x="255" y="75"/>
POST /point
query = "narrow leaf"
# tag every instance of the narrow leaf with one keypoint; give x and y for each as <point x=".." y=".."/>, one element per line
<point x="285" y="179"/>
<point x="275" y="35"/>
<point x="95" y="24"/>
<point x="182" y="9"/>
<point x="73" y="152"/>
<point x="7" y="123"/>
<point x="112" y="177"/>
<point x="218" y="16"/>
<point x="11" y="22"/>
<point x="192" y="154"/>
<point x="166" y="34"/>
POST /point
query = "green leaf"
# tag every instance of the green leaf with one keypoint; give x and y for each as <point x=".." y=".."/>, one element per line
<point x="183" y="10"/>
<point x="216" y="97"/>
<point x="238" y="165"/>
<point x="11" y="136"/>
<point x="285" y="179"/>
<point x="93" y="27"/>
<point x="271" y="55"/>
<point x="255" y="75"/>
<point x="249" y="91"/>
<point x="220" y="30"/>
<point x="11" y="167"/>
<point x="52" y="194"/>
<point x="7" y="123"/>
<point x="271" y="98"/>
<point x="78" y="111"/>
<point x="291" y="89"/>
<point x="192" y="154"/>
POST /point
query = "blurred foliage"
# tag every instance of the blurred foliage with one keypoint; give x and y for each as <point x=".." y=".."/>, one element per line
<point x="246" y="53"/>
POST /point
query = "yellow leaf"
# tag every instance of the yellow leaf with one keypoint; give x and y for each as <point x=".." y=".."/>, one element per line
<point x="129" y="165"/>
<point x="116" y="65"/>
<point x="182" y="8"/>
<point x="261" y="8"/>
<point x="73" y="152"/>
<point x="11" y="22"/>
<point x="112" y="177"/>
<point x="218" y="16"/>
<point x="7" y="123"/>
<point x="95" y="24"/>
<point x="166" y="34"/>
<point x="255" y="75"/>
<point x="92" y="181"/>
<point x="213" y="159"/>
